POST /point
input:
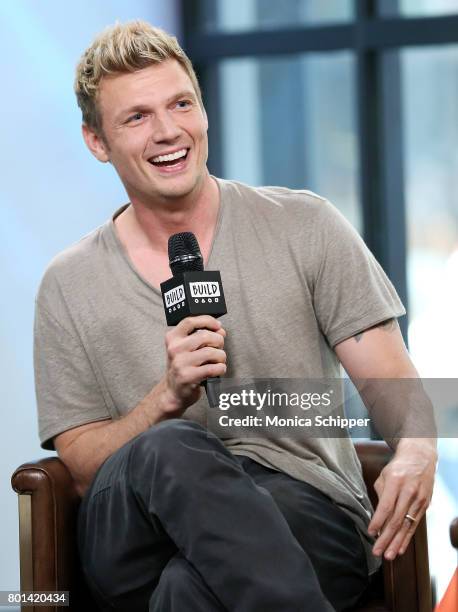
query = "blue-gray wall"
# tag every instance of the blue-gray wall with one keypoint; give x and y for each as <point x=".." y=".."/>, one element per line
<point x="52" y="192"/>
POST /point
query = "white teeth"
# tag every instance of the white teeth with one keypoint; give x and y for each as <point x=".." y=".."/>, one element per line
<point x="176" y="155"/>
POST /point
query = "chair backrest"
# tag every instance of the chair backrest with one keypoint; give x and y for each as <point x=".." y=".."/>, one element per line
<point x="48" y="505"/>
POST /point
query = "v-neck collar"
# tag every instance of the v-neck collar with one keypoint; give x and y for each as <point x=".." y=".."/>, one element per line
<point x="125" y="256"/>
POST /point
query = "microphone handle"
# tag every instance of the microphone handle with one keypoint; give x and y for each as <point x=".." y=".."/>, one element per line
<point x="211" y="386"/>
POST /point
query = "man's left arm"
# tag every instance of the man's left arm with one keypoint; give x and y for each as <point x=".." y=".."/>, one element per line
<point x="405" y="485"/>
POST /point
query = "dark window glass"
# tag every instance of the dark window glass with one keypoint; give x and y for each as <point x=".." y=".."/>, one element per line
<point x="283" y="124"/>
<point x="242" y="15"/>
<point x="417" y="8"/>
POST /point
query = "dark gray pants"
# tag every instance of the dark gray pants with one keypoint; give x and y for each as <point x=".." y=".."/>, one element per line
<point x="174" y="522"/>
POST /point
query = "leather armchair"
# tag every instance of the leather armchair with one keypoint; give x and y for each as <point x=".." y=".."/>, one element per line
<point x="454" y="533"/>
<point x="48" y="506"/>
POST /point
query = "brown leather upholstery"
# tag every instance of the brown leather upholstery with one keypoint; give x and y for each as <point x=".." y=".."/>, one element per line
<point x="454" y="532"/>
<point x="406" y="583"/>
<point x="48" y="508"/>
<point x="47" y="532"/>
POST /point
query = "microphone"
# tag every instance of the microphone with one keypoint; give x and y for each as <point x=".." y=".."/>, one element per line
<point x="184" y="253"/>
<point x="192" y="291"/>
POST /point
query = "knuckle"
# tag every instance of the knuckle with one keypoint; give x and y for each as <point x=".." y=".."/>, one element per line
<point x="219" y="368"/>
<point x="213" y="369"/>
<point x="186" y="325"/>
<point x="386" y="507"/>
<point x="178" y="376"/>
<point x="177" y="366"/>
<point x="209" y="353"/>
<point x="205" y="336"/>
<point x="397" y="524"/>
<point x="214" y="339"/>
<point x="172" y="349"/>
<point x="206" y="339"/>
<point x="388" y="528"/>
<point x="175" y="371"/>
<point x="183" y="376"/>
<point x="221" y="355"/>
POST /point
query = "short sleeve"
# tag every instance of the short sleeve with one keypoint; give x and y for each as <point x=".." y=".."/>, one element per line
<point x="67" y="391"/>
<point x="351" y="290"/>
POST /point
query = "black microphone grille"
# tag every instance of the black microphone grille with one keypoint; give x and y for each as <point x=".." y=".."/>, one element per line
<point x="184" y="253"/>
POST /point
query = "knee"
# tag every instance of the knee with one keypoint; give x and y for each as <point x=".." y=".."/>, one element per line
<point x="169" y="432"/>
<point x="167" y="439"/>
<point x="177" y="574"/>
<point x="174" y="587"/>
<point x="179" y="584"/>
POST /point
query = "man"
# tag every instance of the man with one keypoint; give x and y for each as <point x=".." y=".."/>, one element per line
<point x="171" y="517"/>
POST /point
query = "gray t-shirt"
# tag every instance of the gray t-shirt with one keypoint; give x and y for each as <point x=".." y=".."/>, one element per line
<point x="297" y="278"/>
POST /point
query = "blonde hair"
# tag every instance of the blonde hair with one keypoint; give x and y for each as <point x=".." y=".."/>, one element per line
<point x="122" y="48"/>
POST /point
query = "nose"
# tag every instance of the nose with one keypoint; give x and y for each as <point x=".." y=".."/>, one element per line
<point x="165" y="128"/>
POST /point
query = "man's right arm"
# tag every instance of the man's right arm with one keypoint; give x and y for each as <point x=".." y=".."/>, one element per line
<point x="191" y="358"/>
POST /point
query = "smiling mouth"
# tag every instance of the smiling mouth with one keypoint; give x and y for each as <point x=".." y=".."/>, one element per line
<point x="169" y="162"/>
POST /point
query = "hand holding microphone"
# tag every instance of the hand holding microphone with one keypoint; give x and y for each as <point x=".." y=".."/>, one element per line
<point x="192" y="358"/>
<point x="195" y="346"/>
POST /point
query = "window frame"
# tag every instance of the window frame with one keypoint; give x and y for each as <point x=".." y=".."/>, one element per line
<point x="372" y="38"/>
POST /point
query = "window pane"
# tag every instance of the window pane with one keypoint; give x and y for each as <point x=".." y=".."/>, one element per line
<point x="430" y="94"/>
<point x="417" y="8"/>
<point x="283" y="124"/>
<point x="242" y="15"/>
<point x="430" y="111"/>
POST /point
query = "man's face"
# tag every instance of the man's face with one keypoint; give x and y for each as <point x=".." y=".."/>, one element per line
<point x="147" y="114"/>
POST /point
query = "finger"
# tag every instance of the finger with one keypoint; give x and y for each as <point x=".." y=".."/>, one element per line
<point x="407" y="529"/>
<point x="206" y="355"/>
<point x="189" y="324"/>
<point x="395" y="530"/>
<point x="202" y="337"/>
<point x="385" y="506"/>
<point x="210" y="370"/>
<point x="396" y="521"/>
<point x="195" y="375"/>
<point x="409" y="534"/>
<point x="221" y="331"/>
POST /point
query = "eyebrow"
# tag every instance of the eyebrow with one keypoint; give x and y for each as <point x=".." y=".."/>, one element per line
<point x="182" y="94"/>
<point x="140" y="107"/>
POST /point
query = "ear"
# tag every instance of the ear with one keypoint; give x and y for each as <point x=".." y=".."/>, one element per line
<point x="96" y="144"/>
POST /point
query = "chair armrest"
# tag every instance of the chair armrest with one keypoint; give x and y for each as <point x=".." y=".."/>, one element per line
<point x="412" y="568"/>
<point x="48" y="505"/>
<point x="454" y="533"/>
<point x="373" y="455"/>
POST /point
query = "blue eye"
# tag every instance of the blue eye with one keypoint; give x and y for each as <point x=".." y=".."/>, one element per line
<point x="136" y="117"/>
<point x="183" y="102"/>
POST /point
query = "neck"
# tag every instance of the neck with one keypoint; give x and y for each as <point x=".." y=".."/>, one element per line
<point x="146" y="226"/>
